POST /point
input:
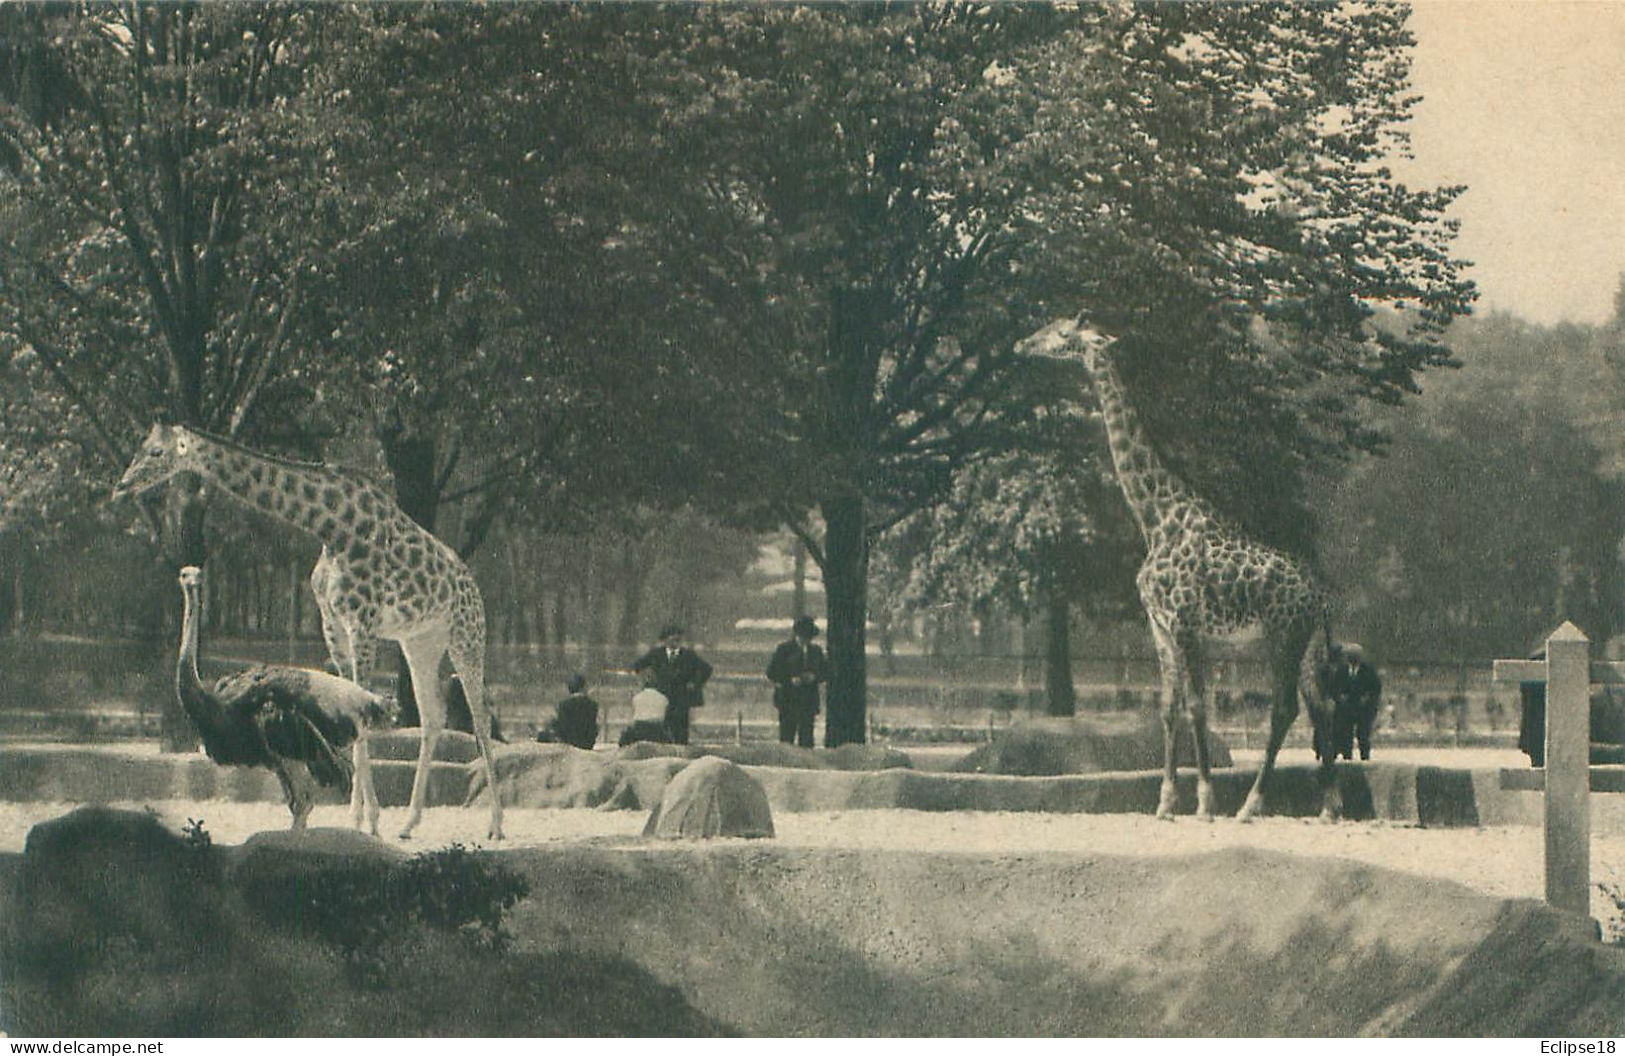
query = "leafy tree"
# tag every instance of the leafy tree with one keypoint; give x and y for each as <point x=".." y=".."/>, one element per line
<point x="1040" y="530"/>
<point x="145" y="274"/>
<point x="887" y="197"/>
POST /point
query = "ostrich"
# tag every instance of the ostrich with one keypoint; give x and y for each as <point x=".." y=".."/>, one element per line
<point x="295" y="722"/>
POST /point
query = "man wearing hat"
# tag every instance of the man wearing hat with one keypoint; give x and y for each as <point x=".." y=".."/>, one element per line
<point x="680" y="674"/>
<point x="796" y="670"/>
<point x="1357" y="692"/>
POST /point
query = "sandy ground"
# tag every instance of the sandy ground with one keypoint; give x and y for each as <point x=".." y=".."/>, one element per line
<point x="1505" y="862"/>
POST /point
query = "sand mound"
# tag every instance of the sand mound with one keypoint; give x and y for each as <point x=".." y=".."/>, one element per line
<point x="1086" y="744"/>
<point x="1234" y="942"/>
<point x="708" y="798"/>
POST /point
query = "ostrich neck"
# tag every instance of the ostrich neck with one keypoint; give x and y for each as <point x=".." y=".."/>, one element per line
<point x="188" y="686"/>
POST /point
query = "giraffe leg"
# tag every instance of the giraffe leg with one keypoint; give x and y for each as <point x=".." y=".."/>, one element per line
<point x="1321" y="709"/>
<point x="469" y="661"/>
<point x="363" y="650"/>
<point x="423" y="655"/>
<point x="337" y="633"/>
<point x="364" y="793"/>
<point x="1171" y="661"/>
<point x="1283" y="709"/>
<point x="1196" y="701"/>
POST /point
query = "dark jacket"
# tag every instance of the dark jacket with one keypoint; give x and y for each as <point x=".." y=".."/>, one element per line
<point x="577" y="721"/>
<point x="789" y="660"/>
<point x="682" y="678"/>
<point x="1356" y="692"/>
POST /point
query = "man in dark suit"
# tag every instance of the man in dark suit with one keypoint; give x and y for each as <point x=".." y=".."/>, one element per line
<point x="576" y="721"/>
<point x="797" y="669"/>
<point x="1357" y="692"/>
<point x="680" y="674"/>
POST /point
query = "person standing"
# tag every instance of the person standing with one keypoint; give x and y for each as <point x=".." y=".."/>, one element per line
<point x="797" y="669"/>
<point x="680" y="674"/>
<point x="1357" y="691"/>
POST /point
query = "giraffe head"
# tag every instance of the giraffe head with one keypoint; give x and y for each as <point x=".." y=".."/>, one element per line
<point x="167" y="450"/>
<point x="1067" y="338"/>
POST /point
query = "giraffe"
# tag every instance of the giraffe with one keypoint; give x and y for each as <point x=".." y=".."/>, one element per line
<point x="1203" y="580"/>
<point x="380" y="575"/>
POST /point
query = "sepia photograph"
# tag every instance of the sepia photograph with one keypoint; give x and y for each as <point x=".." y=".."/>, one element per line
<point x="887" y="519"/>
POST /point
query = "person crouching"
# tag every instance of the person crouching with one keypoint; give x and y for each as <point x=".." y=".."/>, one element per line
<point x="648" y="714"/>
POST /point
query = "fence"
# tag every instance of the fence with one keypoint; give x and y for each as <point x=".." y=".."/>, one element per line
<point x="1568" y="780"/>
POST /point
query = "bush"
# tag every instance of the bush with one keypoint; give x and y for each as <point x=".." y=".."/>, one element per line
<point x="368" y="911"/>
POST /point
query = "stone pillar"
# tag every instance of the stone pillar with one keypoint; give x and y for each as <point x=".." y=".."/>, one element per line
<point x="1568" y="769"/>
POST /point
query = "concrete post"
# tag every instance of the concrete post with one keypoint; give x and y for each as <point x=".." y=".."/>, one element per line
<point x="1568" y="769"/>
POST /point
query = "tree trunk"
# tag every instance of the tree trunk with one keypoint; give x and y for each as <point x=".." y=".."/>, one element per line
<point x="633" y="586"/>
<point x="846" y="586"/>
<point x="411" y="460"/>
<point x="798" y="596"/>
<point x="1059" y="696"/>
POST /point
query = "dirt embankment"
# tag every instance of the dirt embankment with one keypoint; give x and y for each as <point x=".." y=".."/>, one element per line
<point x="125" y="932"/>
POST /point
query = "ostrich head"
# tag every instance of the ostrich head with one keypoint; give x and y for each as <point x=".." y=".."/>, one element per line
<point x="1067" y="338"/>
<point x="167" y="450"/>
<point x="191" y="577"/>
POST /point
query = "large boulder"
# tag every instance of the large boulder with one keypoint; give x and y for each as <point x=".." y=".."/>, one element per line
<point x="1086" y="744"/>
<point x="558" y="775"/>
<point x="711" y="797"/>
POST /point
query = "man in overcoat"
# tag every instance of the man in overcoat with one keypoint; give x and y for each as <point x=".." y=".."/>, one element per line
<point x="797" y="669"/>
<point x="680" y="674"/>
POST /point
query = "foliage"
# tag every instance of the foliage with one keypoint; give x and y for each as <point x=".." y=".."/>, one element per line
<point x="1494" y="515"/>
<point x="1020" y="529"/>
<point x="369" y="912"/>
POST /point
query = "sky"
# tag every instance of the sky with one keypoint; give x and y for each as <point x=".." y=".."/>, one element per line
<point x="1524" y="101"/>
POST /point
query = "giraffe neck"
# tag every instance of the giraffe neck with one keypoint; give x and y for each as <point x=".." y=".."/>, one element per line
<point x="1155" y="496"/>
<point x="314" y="499"/>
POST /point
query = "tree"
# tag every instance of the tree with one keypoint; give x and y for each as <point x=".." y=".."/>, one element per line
<point x="140" y="142"/>
<point x="1040" y="530"/>
<point x="884" y="198"/>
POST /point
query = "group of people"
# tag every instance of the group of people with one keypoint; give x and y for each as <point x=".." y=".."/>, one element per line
<point x="674" y="678"/>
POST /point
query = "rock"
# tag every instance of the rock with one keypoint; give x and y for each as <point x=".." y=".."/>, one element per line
<point x="1086" y="744"/>
<point x="711" y="797"/>
<point x="320" y="844"/>
<point x="774" y="753"/>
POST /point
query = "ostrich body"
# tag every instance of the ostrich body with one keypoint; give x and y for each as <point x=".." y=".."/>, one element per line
<point x="294" y="722"/>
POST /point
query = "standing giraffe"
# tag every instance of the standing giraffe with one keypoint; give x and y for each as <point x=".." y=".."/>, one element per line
<point x="381" y="575"/>
<point x="1204" y="579"/>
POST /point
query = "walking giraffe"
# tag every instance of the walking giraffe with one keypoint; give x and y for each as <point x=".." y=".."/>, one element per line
<point x="381" y="575"/>
<point x="1204" y="579"/>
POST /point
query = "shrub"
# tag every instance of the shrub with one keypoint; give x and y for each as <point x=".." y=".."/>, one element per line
<point x="370" y="913"/>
